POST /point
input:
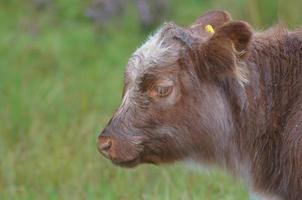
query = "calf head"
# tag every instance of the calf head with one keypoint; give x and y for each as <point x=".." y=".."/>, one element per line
<point x="173" y="107"/>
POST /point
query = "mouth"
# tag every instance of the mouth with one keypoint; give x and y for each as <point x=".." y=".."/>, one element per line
<point x="122" y="152"/>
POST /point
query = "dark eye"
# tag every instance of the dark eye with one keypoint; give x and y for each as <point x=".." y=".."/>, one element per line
<point x="163" y="91"/>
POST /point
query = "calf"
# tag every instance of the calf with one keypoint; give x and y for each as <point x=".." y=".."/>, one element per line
<point x="224" y="96"/>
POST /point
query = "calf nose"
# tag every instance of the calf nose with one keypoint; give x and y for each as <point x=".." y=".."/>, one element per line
<point x="104" y="145"/>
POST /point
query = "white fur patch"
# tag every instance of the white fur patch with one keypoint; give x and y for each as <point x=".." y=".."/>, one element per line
<point x="195" y="165"/>
<point x="154" y="52"/>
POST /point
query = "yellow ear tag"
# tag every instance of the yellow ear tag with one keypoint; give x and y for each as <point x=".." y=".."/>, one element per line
<point x="209" y="29"/>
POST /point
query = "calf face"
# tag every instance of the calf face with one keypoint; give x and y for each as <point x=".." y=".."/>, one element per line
<point x="173" y="107"/>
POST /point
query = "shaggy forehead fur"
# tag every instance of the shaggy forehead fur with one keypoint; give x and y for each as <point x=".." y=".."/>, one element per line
<point x="159" y="50"/>
<point x="163" y="49"/>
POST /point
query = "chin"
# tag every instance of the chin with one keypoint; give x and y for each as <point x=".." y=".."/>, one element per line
<point x="135" y="162"/>
<point x="126" y="164"/>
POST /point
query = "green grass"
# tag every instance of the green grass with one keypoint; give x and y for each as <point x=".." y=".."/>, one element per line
<point x="60" y="81"/>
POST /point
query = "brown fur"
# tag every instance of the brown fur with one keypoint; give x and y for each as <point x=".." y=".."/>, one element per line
<point x="236" y="103"/>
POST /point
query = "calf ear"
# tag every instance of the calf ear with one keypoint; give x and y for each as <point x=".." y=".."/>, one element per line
<point x="227" y="46"/>
<point x="237" y="32"/>
<point x="214" y="18"/>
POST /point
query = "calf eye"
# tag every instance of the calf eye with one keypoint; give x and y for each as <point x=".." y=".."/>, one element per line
<point x="163" y="91"/>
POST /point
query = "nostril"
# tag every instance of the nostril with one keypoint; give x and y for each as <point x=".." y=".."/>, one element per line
<point x="105" y="145"/>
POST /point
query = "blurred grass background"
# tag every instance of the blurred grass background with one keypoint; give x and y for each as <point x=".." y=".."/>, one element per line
<point x="61" y="80"/>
